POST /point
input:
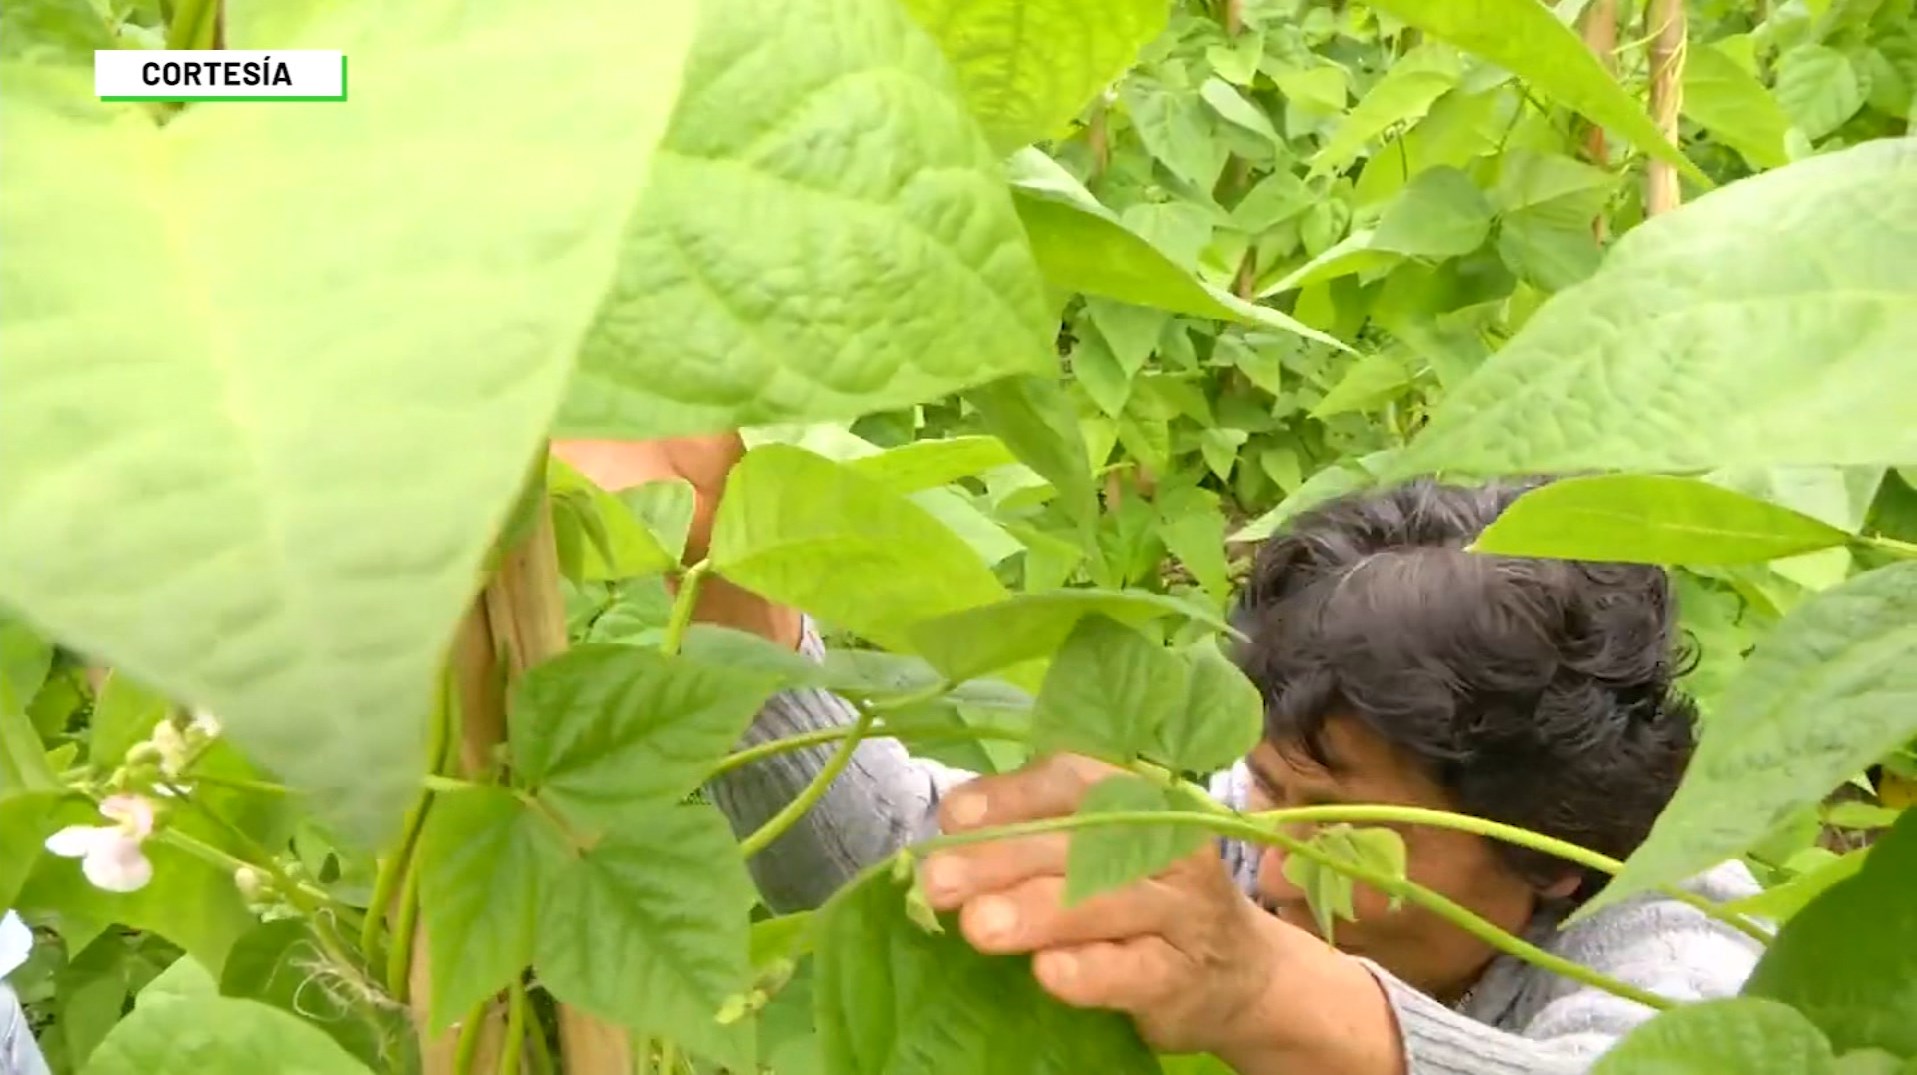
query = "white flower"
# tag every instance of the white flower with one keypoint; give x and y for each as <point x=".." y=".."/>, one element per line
<point x="205" y="724"/>
<point x="16" y="943"/>
<point x="110" y="855"/>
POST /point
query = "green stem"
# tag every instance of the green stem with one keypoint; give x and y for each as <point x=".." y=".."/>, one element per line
<point x="1511" y="834"/>
<point x="541" y="1050"/>
<point x="1903" y="550"/>
<point x="238" y="784"/>
<point x="789" y="814"/>
<point x="761" y="751"/>
<point x="1398" y="887"/>
<point x="211" y="855"/>
<point x="515" y="1044"/>
<point x="399" y="946"/>
<point x="466" y="1047"/>
<point x="435" y="782"/>
<point x="682" y="606"/>
<point x="397" y="865"/>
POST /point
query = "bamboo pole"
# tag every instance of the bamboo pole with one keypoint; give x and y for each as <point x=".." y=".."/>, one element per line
<point x="1661" y="191"/>
<point x="1600" y="33"/>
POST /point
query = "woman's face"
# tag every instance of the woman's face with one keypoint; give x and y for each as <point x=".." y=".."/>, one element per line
<point x="1412" y="943"/>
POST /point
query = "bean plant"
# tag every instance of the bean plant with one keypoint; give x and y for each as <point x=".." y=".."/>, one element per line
<point x="345" y="729"/>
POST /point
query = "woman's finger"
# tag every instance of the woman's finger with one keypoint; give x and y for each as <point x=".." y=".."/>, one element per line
<point x="1133" y="975"/>
<point x="961" y="873"/>
<point x="1032" y="915"/>
<point x="1049" y="787"/>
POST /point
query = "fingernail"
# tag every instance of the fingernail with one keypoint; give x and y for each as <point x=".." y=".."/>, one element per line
<point x="966" y="808"/>
<point x="944" y="877"/>
<point x="994" y="918"/>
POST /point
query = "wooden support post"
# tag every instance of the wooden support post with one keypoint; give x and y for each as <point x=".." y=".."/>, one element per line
<point x="1661" y="191"/>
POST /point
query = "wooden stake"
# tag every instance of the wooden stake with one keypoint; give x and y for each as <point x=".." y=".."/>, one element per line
<point x="1661" y="191"/>
<point x="517" y="622"/>
<point x="1600" y="33"/>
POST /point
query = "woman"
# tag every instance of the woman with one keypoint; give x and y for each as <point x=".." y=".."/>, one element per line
<point x="1395" y="668"/>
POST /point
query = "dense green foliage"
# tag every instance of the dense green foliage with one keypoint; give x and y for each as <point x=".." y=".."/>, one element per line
<point x="1027" y="307"/>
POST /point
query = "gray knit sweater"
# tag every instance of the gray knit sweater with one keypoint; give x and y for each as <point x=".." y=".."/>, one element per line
<point x="1517" y="1020"/>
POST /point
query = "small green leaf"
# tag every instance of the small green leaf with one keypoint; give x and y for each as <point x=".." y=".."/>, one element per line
<point x="1731" y="1036"/>
<point x="1107" y="692"/>
<point x="25" y="660"/>
<point x="1781" y="902"/>
<point x="1029" y="626"/>
<point x="1028" y="67"/>
<point x="1405" y="93"/>
<point x="1113" y="856"/>
<point x="1764" y="324"/>
<point x="1081" y="246"/>
<point x="1223" y="715"/>
<point x="1332" y="482"/>
<point x="1329" y="891"/>
<point x="1734" y="106"/>
<point x="484" y="860"/>
<point x="1818" y="88"/>
<point x="817" y="535"/>
<point x="623" y="546"/>
<point x="603" y="728"/>
<point x="26" y="819"/>
<point x="1441" y="214"/>
<point x="1526" y="39"/>
<point x="1849" y="960"/>
<point x="820" y="157"/>
<point x="929" y="464"/>
<point x="1827" y="690"/>
<point x="1651" y="519"/>
<point x="648" y="928"/>
<point x="1176" y="128"/>
<point x="202" y="1034"/>
<point x="665" y="508"/>
<point x="124" y="713"/>
<point x="1225" y="100"/>
<point x="1034" y="418"/>
<point x="1367" y="383"/>
<point x="299" y="580"/>
<point x="894" y="999"/>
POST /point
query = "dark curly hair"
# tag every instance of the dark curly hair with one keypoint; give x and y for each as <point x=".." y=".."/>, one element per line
<point x="1538" y="693"/>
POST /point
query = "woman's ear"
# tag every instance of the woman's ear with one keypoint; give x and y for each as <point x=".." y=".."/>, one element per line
<point x="1562" y="888"/>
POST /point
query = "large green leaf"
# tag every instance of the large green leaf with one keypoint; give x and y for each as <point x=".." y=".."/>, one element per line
<point x="648" y="928"/>
<point x="606" y="727"/>
<point x="1107" y="692"/>
<point x="1849" y="960"/>
<point x="1033" y="625"/>
<point x="1818" y="89"/>
<point x="1764" y="324"/>
<point x="894" y="999"/>
<point x="1082" y="246"/>
<point x="821" y="178"/>
<point x="26" y="819"/>
<point x="1734" y="106"/>
<point x="1028" y="67"/>
<point x="1654" y="519"/>
<point x="1824" y="695"/>
<point x="215" y="509"/>
<point x="815" y="534"/>
<point x="201" y="1034"/>
<point x="1108" y="857"/>
<point x="484" y="860"/>
<point x="1525" y="38"/>
<point x="1733" y="1036"/>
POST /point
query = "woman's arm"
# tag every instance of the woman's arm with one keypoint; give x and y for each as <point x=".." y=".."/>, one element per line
<point x="885" y="798"/>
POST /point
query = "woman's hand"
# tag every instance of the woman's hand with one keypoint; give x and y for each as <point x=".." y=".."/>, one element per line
<point x="704" y="462"/>
<point x="1194" y="962"/>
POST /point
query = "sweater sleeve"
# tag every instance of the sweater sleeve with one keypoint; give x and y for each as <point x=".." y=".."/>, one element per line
<point x="885" y="799"/>
<point x="1562" y="1026"/>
